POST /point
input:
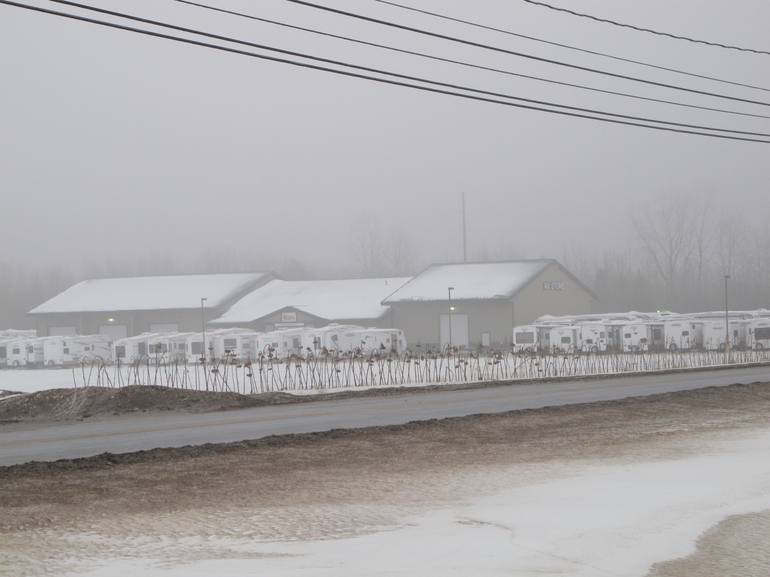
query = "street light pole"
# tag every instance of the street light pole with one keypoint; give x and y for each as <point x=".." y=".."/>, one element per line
<point x="727" y="323"/>
<point x="203" y="352"/>
<point x="451" y="308"/>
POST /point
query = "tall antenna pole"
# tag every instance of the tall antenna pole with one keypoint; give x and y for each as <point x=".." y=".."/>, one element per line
<point x="203" y="353"/>
<point x="465" y="238"/>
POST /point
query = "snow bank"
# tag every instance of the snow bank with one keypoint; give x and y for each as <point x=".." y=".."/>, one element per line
<point x="606" y="520"/>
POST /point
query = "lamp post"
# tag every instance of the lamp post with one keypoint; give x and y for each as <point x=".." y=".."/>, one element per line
<point x="727" y="323"/>
<point x="451" y="309"/>
<point x="203" y="352"/>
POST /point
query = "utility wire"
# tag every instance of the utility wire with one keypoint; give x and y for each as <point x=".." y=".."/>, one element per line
<point x="520" y="54"/>
<point x="365" y="77"/>
<point x="398" y="75"/>
<point x="570" y="47"/>
<point x="649" y="30"/>
<point x="466" y="64"/>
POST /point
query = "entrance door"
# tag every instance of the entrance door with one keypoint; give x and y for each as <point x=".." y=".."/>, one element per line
<point x="459" y="330"/>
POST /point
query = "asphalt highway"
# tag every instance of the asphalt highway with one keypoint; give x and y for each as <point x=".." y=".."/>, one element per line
<point x="23" y="443"/>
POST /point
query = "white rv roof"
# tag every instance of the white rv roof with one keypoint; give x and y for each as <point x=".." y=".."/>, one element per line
<point x="149" y="293"/>
<point x="487" y="280"/>
<point x="326" y="299"/>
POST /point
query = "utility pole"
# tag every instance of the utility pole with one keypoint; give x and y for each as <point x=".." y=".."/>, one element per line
<point x="727" y="323"/>
<point x="203" y="352"/>
<point x="451" y="309"/>
<point x="465" y="237"/>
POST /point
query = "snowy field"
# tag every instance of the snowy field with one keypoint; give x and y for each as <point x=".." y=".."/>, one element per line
<point x="602" y="520"/>
<point x="30" y="381"/>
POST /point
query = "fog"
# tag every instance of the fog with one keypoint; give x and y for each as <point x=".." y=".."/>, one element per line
<point x="124" y="154"/>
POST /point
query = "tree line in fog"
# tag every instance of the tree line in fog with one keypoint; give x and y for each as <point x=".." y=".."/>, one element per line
<point x="679" y="251"/>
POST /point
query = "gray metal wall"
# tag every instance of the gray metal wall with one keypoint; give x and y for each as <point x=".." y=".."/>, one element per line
<point x="420" y="321"/>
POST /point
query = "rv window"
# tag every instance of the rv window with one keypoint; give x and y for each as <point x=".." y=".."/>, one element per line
<point x="120" y="351"/>
<point x="627" y="336"/>
<point x="30" y="349"/>
<point x="16" y="351"/>
<point x="657" y="333"/>
<point x="685" y="333"/>
<point x="66" y="350"/>
<point x="762" y="333"/>
<point x="3" y="352"/>
<point x="643" y="340"/>
<point x="566" y="340"/>
<point x="525" y="338"/>
<point x="589" y="341"/>
<point x="196" y="347"/>
<point x="230" y="344"/>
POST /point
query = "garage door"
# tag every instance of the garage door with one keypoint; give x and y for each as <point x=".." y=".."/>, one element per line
<point x="114" y="332"/>
<point x="62" y="331"/>
<point x="164" y="328"/>
<point x="459" y="330"/>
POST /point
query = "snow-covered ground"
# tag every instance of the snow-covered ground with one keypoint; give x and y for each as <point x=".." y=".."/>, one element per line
<point x="602" y="520"/>
<point x="32" y="380"/>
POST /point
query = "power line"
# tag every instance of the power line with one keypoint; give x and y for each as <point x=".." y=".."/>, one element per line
<point x="520" y="54"/>
<point x="365" y="77"/>
<point x="466" y="64"/>
<point x="649" y="30"/>
<point x="398" y="75"/>
<point x="570" y="47"/>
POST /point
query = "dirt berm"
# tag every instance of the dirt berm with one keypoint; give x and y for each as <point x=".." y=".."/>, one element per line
<point x="89" y="402"/>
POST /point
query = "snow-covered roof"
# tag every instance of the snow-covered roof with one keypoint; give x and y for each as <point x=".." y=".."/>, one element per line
<point x="327" y="299"/>
<point x="483" y="280"/>
<point x="150" y="293"/>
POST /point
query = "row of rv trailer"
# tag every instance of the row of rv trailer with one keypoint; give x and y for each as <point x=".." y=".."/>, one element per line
<point x="639" y="332"/>
<point x="26" y="350"/>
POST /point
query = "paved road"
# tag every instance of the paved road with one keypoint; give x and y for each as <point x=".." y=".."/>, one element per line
<point x="23" y="443"/>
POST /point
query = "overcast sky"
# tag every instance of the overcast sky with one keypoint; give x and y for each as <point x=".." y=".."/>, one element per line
<point x="116" y="145"/>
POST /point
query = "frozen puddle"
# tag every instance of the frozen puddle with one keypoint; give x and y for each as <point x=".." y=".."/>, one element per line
<point x="604" y="520"/>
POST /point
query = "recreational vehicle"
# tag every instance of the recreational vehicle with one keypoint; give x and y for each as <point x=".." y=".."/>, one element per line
<point x="281" y="344"/>
<point x="372" y="340"/>
<point x="564" y="339"/>
<point x="61" y="351"/>
<point x="758" y="333"/>
<point x="132" y="349"/>
<point x="593" y="338"/>
<point x="636" y="338"/>
<point x="236" y="344"/>
<point x="679" y="335"/>
<point x="25" y="352"/>
<point x="527" y="338"/>
<point x="714" y="334"/>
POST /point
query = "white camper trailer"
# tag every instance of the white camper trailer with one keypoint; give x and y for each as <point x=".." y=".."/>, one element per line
<point x="325" y="338"/>
<point x="282" y="344"/>
<point x="526" y="339"/>
<point x="159" y="347"/>
<point x="714" y="334"/>
<point x="565" y="339"/>
<point x="758" y="333"/>
<point x="372" y="340"/>
<point x="593" y="338"/>
<point x="636" y="338"/>
<point x="679" y="335"/>
<point x="25" y="352"/>
<point x="132" y="349"/>
<point x="232" y="344"/>
<point x="67" y="350"/>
